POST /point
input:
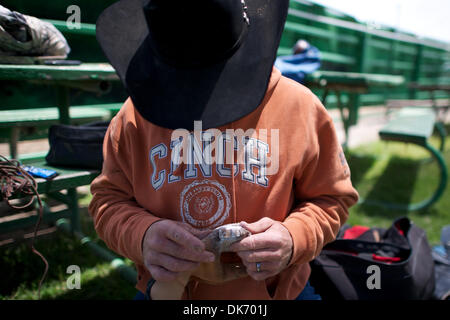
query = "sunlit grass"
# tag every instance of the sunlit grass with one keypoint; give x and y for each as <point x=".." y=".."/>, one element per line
<point x="401" y="173"/>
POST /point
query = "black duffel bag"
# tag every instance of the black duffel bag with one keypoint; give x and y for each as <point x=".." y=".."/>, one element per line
<point x="77" y="146"/>
<point x="376" y="264"/>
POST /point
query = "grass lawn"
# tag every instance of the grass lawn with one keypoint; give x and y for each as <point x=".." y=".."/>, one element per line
<point x="380" y="171"/>
<point x="21" y="270"/>
<point x="401" y="173"/>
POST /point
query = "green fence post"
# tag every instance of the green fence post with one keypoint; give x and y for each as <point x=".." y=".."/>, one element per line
<point x="63" y="100"/>
<point x="392" y="56"/>
<point x="417" y="70"/>
<point x="74" y="210"/>
<point x="355" y="99"/>
<point x="362" y="61"/>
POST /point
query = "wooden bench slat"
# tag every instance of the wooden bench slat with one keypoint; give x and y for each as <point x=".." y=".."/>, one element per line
<point x="22" y="117"/>
<point x="400" y="103"/>
<point x="85" y="71"/>
<point x="10" y="118"/>
<point x="30" y="124"/>
<point x="430" y="87"/>
<point x="410" y="125"/>
<point x="84" y="28"/>
<point x="113" y="108"/>
<point x="368" y="79"/>
<point x="68" y="177"/>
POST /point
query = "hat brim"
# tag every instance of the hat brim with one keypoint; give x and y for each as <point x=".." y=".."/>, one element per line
<point x="173" y="97"/>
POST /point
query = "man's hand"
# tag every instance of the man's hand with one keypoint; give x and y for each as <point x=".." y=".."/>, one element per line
<point x="270" y="245"/>
<point x="171" y="247"/>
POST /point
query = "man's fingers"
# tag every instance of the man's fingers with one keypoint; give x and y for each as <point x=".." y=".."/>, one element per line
<point x="259" y="255"/>
<point x="173" y="249"/>
<point x="255" y="242"/>
<point x="258" y="226"/>
<point x="196" y="232"/>
<point x="184" y="238"/>
<point x="171" y="263"/>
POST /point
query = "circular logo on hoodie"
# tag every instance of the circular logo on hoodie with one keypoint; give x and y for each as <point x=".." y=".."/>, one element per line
<point x="205" y="204"/>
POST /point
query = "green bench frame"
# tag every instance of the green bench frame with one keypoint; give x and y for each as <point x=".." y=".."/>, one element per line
<point x="26" y="124"/>
<point x="439" y="105"/>
<point x="67" y="220"/>
<point x="416" y="125"/>
<point x="341" y="83"/>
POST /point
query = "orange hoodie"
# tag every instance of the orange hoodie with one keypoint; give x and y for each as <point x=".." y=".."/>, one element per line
<point x="143" y="181"/>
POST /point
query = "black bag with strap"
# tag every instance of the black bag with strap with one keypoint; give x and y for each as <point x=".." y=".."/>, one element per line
<point x="376" y="264"/>
<point x="77" y="146"/>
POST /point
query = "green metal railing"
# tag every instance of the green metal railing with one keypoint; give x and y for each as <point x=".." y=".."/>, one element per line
<point x="348" y="45"/>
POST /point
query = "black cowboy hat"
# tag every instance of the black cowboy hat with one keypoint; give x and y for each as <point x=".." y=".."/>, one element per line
<point x="183" y="61"/>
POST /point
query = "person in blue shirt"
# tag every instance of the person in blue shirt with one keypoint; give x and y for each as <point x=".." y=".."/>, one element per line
<point x="305" y="60"/>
